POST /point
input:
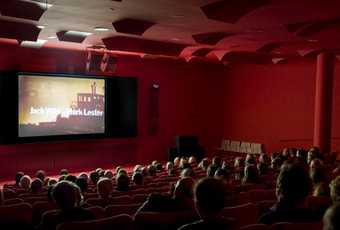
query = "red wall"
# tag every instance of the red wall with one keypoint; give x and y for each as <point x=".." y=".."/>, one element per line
<point x="191" y="103"/>
<point x="274" y="104"/>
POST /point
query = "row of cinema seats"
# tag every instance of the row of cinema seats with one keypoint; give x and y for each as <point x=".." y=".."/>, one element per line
<point x="241" y="147"/>
<point x="108" y="218"/>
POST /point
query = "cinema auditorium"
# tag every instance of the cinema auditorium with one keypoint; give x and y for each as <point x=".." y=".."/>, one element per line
<point x="169" y="114"/>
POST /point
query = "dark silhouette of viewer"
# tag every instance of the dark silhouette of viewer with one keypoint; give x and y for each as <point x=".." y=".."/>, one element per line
<point x="331" y="219"/>
<point x="67" y="196"/>
<point x="292" y="187"/>
<point x="209" y="202"/>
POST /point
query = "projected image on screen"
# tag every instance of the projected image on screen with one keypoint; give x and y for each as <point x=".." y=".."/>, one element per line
<point x="61" y="106"/>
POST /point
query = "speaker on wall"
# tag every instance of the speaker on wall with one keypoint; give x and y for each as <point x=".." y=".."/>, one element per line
<point x="154" y="110"/>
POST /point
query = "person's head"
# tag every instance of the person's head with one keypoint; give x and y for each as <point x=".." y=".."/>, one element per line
<point x="276" y="164"/>
<point x="335" y="189"/>
<point x="204" y="164"/>
<point x="187" y="172"/>
<point x="37" y="186"/>
<point x="331" y="219"/>
<point x="312" y="154"/>
<point x="217" y="161"/>
<point x="63" y="172"/>
<point x="176" y="161"/>
<point x="301" y="155"/>
<point x="138" y="178"/>
<point x="123" y="182"/>
<point x="251" y="174"/>
<point x="222" y="173"/>
<point x="105" y="187"/>
<point x="211" y="170"/>
<point x="108" y="174"/>
<point x="154" y="163"/>
<point x="263" y="168"/>
<point x="159" y="167"/>
<point x="184" y="188"/>
<point x="84" y="175"/>
<point x="172" y="172"/>
<point x="66" y="195"/>
<point x="41" y="174"/>
<point x="137" y="168"/>
<point x="18" y="176"/>
<point x="94" y="177"/>
<point x="25" y="182"/>
<point x="71" y="178"/>
<point x="100" y="171"/>
<point x="293" y="184"/>
<point x="51" y="182"/>
<point x="192" y="160"/>
<point x="317" y="171"/>
<point x="118" y="168"/>
<point x="82" y="184"/>
<point x="184" y="163"/>
<point x="152" y="170"/>
<point x="250" y="159"/>
<point x="209" y="197"/>
<point x="169" y="165"/>
<point x="265" y="159"/>
<point x="239" y="162"/>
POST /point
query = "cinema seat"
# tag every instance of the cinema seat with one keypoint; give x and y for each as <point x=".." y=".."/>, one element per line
<point x="262" y="194"/>
<point x="39" y="208"/>
<point x="130" y="209"/>
<point x="16" y="212"/>
<point x="245" y="214"/>
<point x="296" y="226"/>
<point x="13" y="201"/>
<point x="97" y="211"/>
<point x="255" y="227"/>
<point x="160" y="220"/>
<point x="121" y="222"/>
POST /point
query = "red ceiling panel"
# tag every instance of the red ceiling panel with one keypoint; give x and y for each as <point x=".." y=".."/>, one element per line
<point x="18" y="30"/>
<point x="231" y="10"/>
<point x="132" y="26"/>
<point x="143" y="46"/>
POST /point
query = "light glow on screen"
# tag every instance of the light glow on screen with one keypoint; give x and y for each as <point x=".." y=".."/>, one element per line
<point x="54" y="105"/>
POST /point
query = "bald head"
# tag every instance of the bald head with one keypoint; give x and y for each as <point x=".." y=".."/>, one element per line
<point x="184" y="188"/>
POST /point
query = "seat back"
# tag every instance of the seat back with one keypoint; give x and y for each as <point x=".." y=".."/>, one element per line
<point x="39" y="208"/>
<point x="21" y="212"/>
<point x="97" y="211"/>
<point x="296" y="226"/>
<point x="130" y="209"/>
<point x="245" y="214"/>
<point x="13" y="201"/>
<point x="262" y="194"/>
<point x="121" y="222"/>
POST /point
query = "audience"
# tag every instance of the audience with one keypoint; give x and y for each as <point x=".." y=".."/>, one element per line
<point x="66" y="196"/>
<point x="138" y="179"/>
<point x="319" y="178"/>
<point x="251" y="174"/>
<point x="331" y="219"/>
<point x="25" y="182"/>
<point x="82" y="184"/>
<point x="209" y="202"/>
<point x="37" y="186"/>
<point x="335" y="189"/>
<point x="18" y="177"/>
<point x="293" y="186"/>
<point x="123" y="182"/>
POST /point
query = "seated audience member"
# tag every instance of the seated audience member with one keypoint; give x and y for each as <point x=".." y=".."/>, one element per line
<point x="82" y="184"/>
<point x="138" y="179"/>
<point x="217" y="161"/>
<point x="209" y="202"/>
<point x="222" y="174"/>
<point x="239" y="168"/>
<point x="51" y="182"/>
<point x="25" y="182"/>
<point x="118" y="168"/>
<point x="317" y="173"/>
<point x="313" y="153"/>
<point x="293" y="186"/>
<point x="263" y="168"/>
<point x="250" y="159"/>
<point x="94" y="177"/>
<point x="335" y="189"/>
<point x="71" y="178"/>
<point x="331" y="219"/>
<point x="204" y="164"/>
<point x="66" y="196"/>
<point x="41" y="174"/>
<point x="192" y="160"/>
<point x="177" y="161"/>
<point x="84" y="175"/>
<point x="301" y="156"/>
<point x="152" y="170"/>
<point x="100" y="171"/>
<point x="154" y="163"/>
<point x="276" y="164"/>
<point x="169" y="165"/>
<point x="159" y="167"/>
<point x="62" y="177"/>
<point x="184" y="163"/>
<point x="18" y="176"/>
<point x="37" y="186"/>
<point x="188" y="172"/>
<point x="108" y="174"/>
<point x="211" y="170"/>
<point x="251" y="174"/>
<point x="63" y="172"/>
<point x="104" y="190"/>
<point x="123" y="182"/>
<point x="172" y="172"/>
<point x="182" y="199"/>
<point x="137" y="168"/>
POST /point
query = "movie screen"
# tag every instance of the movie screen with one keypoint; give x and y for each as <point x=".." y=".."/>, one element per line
<point x="51" y="106"/>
